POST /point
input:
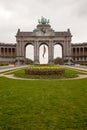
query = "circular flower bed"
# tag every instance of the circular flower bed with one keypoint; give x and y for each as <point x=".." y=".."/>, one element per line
<point x="44" y="71"/>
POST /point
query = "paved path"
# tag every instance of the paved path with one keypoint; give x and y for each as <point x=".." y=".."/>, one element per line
<point x="10" y="67"/>
<point x="77" y="67"/>
<point x="13" y="77"/>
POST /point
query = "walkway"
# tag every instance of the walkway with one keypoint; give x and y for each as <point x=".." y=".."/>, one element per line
<point x="84" y="68"/>
<point x="13" y="77"/>
<point x="10" y="67"/>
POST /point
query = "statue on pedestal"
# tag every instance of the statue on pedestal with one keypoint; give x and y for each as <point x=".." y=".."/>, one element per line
<point x="43" y="20"/>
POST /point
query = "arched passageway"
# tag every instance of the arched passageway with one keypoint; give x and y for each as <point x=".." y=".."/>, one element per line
<point x="57" y="51"/>
<point x="29" y="52"/>
<point x="58" y="54"/>
<point x="43" y="54"/>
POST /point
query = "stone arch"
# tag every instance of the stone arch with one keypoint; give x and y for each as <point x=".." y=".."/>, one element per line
<point x="41" y="43"/>
<point x="28" y="43"/>
<point x="43" y="33"/>
<point x="25" y="48"/>
<point x="61" y="45"/>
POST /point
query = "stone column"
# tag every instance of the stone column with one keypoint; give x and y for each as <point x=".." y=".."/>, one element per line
<point x="23" y="50"/>
<point x="0" y="51"/>
<point x="18" y="52"/>
<point x="50" y="52"/>
<point x="36" y="53"/>
<point x="7" y="51"/>
<point x="68" y="50"/>
<point x="3" y="51"/>
<point x="11" y="52"/>
<point x="83" y="51"/>
<point x="76" y="51"/>
<point x="66" y="46"/>
<point x="79" y="51"/>
<point x="64" y="50"/>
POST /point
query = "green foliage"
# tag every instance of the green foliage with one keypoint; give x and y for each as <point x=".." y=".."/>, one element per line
<point x="43" y="105"/>
<point x="4" y="64"/>
<point x="58" y="60"/>
<point x="84" y="64"/>
<point x="28" y="61"/>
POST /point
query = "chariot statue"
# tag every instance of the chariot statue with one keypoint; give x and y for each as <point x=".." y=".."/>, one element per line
<point x="43" y="20"/>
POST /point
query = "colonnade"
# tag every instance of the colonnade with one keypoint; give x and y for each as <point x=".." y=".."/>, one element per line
<point x="7" y="51"/>
<point x="79" y="51"/>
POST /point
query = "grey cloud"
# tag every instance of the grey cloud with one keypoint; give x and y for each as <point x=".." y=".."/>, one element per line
<point x="80" y="9"/>
<point x="25" y="13"/>
<point x="83" y="9"/>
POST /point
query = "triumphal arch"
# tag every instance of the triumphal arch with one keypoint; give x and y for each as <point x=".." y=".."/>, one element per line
<point x="43" y="34"/>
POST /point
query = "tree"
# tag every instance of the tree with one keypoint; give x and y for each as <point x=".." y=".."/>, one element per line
<point x="58" y="60"/>
<point x="28" y="61"/>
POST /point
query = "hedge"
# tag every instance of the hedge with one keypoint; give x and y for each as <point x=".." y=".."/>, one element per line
<point x="44" y="72"/>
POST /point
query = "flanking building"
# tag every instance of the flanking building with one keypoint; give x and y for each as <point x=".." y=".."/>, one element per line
<point x="8" y="53"/>
<point x="79" y="52"/>
<point x="43" y="34"/>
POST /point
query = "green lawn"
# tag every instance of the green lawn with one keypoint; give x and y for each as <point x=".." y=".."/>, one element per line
<point x="43" y="105"/>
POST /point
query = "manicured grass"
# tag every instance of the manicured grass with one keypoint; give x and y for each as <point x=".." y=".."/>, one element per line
<point x="43" y="105"/>
<point x="69" y="73"/>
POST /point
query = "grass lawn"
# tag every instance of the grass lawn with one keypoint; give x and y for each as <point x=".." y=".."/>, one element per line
<point x="43" y="105"/>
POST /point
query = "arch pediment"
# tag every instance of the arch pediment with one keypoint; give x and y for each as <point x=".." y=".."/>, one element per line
<point x="43" y="30"/>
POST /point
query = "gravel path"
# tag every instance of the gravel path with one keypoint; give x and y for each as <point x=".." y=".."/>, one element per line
<point x="13" y="77"/>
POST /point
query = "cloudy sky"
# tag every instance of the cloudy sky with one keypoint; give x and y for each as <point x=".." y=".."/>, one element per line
<point x="24" y="14"/>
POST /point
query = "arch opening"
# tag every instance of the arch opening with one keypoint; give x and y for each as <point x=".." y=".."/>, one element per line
<point x="29" y="54"/>
<point x="58" y="54"/>
<point x="43" y="54"/>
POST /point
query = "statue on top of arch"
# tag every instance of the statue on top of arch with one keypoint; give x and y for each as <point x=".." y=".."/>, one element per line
<point x="43" y="20"/>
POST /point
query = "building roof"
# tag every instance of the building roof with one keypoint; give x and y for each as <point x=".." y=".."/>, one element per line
<point x="79" y="44"/>
<point x="8" y="44"/>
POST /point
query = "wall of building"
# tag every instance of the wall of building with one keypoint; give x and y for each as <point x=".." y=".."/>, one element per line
<point x="79" y="52"/>
<point x="10" y="53"/>
<point x="7" y="53"/>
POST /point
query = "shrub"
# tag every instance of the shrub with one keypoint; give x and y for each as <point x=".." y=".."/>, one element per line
<point x="28" y="61"/>
<point x="44" y="72"/>
<point x="85" y="63"/>
<point x="58" y="60"/>
<point x="4" y="64"/>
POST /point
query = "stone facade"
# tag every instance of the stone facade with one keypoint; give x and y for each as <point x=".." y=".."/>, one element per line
<point x="79" y="52"/>
<point x="43" y="34"/>
<point x="7" y="53"/>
